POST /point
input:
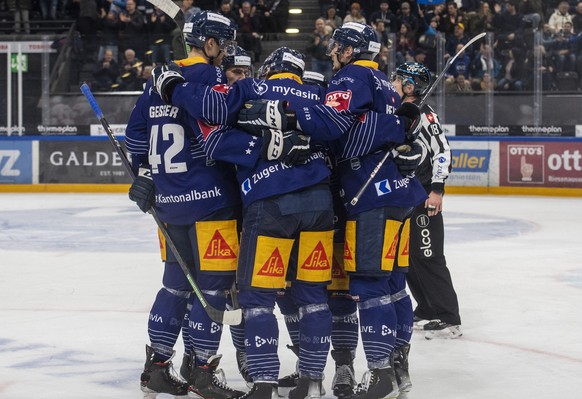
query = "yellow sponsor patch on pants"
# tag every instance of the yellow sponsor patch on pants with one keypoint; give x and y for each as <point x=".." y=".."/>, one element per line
<point x="403" y="248"/>
<point x="217" y="245"/>
<point x="315" y="256"/>
<point x="350" y="247"/>
<point x="390" y="248"/>
<point x="271" y="262"/>
<point x="163" y="246"/>
<point x="340" y="281"/>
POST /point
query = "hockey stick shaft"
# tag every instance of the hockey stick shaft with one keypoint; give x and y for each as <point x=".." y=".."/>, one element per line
<point x="423" y="101"/>
<point x="230" y="317"/>
<point x="175" y="13"/>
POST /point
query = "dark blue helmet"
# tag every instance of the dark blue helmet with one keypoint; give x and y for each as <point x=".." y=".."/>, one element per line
<point x="283" y="59"/>
<point x="239" y="58"/>
<point x="205" y="25"/>
<point x="314" y="78"/>
<point x="415" y="73"/>
<point x="362" y="38"/>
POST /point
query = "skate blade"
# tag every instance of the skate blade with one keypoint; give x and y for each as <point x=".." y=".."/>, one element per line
<point x="157" y="395"/>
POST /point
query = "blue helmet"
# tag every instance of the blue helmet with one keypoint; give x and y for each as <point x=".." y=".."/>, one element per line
<point x="239" y="58"/>
<point x="205" y="25"/>
<point x="283" y="59"/>
<point x="415" y="73"/>
<point x="362" y="38"/>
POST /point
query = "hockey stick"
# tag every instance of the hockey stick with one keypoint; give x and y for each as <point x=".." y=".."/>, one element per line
<point x="175" y="13"/>
<point x="230" y="317"/>
<point x="404" y="148"/>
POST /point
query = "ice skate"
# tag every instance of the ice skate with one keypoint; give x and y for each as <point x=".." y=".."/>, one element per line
<point x="158" y="377"/>
<point x="241" y="361"/>
<point x="261" y="390"/>
<point x="419" y="323"/>
<point x="437" y="329"/>
<point x="307" y="388"/>
<point x="289" y="381"/>
<point x="344" y="380"/>
<point x="206" y="382"/>
<point x="185" y="367"/>
<point x="377" y="384"/>
<point x="401" y="368"/>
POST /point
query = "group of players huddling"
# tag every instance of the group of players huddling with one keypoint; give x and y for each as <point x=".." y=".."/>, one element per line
<point x="253" y="179"/>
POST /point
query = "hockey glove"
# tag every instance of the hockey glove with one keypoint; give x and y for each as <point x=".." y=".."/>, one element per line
<point x="259" y="114"/>
<point x="290" y="147"/>
<point x="142" y="190"/>
<point x="410" y="115"/>
<point x="165" y="78"/>
<point x="407" y="162"/>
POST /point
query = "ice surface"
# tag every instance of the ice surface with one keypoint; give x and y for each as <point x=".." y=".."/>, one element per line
<point x="78" y="274"/>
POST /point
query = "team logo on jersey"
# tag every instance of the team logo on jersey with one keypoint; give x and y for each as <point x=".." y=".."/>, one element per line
<point x="221" y="88"/>
<point x="340" y="100"/>
<point x="430" y="117"/>
<point x="219" y="248"/>
<point x="383" y="187"/>
<point x="260" y="87"/>
<point x="207" y="129"/>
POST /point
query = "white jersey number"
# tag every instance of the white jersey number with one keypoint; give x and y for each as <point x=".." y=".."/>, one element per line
<point x="173" y="133"/>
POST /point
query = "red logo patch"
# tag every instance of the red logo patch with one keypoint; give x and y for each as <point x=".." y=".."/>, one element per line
<point x="207" y="129"/>
<point x="340" y="100"/>
<point x="221" y="88"/>
<point x="430" y="117"/>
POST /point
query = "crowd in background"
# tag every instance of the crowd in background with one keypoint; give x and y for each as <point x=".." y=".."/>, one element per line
<point x="129" y="36"/>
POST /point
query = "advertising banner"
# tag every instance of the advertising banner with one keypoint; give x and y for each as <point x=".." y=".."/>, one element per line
<point x="541" y="164"/>
<point x="474" y="163"/>
<point x="78" y="162"/>
<point x="516" y="130"/>
<point x="16" y="162"/>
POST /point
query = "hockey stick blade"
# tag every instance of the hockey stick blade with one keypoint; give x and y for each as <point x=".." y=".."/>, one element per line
<point x="425" y="97"/>
<point x="230" y="317"/>
<point x="175" y="13"/>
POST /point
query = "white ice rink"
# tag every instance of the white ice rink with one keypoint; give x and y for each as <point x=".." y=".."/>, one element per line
<point x="78" y="274"/>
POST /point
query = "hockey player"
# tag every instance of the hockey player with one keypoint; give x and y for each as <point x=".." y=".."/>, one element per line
<point x="287" y="221"/>
<point x="383" y="208"/>
<point x="198" y="200"/>
<point x="429" y="278"/>
<point x="237" y="66"/>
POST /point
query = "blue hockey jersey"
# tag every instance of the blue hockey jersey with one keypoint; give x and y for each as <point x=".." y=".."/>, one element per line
<point x="189" y="185"/>
<point x="353" y="91"/>
<point x="258" y="178"/>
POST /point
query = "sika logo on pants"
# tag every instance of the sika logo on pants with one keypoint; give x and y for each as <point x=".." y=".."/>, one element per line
<point x="525" y="163"/>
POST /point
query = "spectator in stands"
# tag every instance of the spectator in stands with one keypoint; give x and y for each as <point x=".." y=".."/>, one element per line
<point x="565" y="49"/>
<point x="546" y="68"/>
<point x="480" y="21"/>
<point x="275" y="15"/>
<point x="109" y="26"/>
<point x="226" y="10"/>
<point x="405" y="44"/>
<point x="560" y="17"/>
<point x="48" y="9"/>
<point x="453" y="41"/>
<point x="331" y="18"/>
<point x="532" y="12"/>
<point x="317" y="48"/>
<point x="458" y="85"/>
<point x="385" y="15"/>
<point x="131" y="71"/>
<point x="106" y="72"/>
<point x="249" y="28"/>
<point x="189" y="9"/>
<point x="512" y="73"/>
<point x="384" y="59"/>
<point x="407" y="17"/>
<point x="577" y="19"/>
<point x="484" y="63"/>
<point x="117" y="6"/>
<point x="461" y="65"/>
<point x="355" y="14"/>
<point x="88" y="20"/>
<point x="132" y="28"/>
<point x="451" y="19"/>
<point x="428" y="43"/>
<point x="381" y="31"/>
<point x="20" y="10"/>
<point x="508" y="30"/>
<point x="160" y="28"/>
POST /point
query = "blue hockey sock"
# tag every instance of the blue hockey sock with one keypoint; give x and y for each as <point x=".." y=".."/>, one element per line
<point x="262" y="335"/>
<point x="315" y="335"/>
<point x="165" y="321"/>
<point x="204" y="333"/>
<point x="290" y="313"/>
<point x="403" y="307"/>
<point x="345" y="334"/>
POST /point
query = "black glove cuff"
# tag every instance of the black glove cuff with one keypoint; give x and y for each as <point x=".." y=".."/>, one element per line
<point x="437" y="188"/>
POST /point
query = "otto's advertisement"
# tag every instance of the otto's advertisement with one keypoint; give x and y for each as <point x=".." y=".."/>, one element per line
<point x="541" y="164"/>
